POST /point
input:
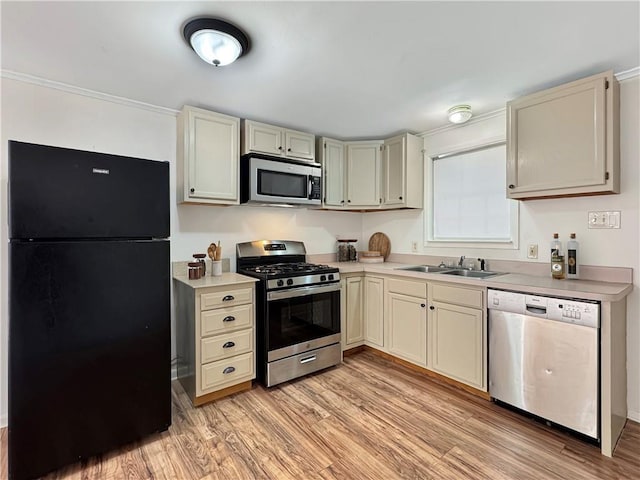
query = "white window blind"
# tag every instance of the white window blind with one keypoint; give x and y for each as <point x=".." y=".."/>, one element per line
<point x="469" y="200"/>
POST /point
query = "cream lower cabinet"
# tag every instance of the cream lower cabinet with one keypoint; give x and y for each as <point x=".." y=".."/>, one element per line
<point x="215" y="337"/>
<point x="406" y="320"/>
<point x="352" y="319"/>
<point x="457" y="334"/>
<point x="374" y="311"/>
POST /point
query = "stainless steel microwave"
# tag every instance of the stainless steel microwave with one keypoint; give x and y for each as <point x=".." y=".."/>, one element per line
<point x="266" y="180"/>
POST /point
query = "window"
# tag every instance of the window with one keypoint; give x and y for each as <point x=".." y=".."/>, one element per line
<point x="467" y="200"/>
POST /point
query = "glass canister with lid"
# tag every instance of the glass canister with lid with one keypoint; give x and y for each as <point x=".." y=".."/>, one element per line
<point x="347" y="250"/>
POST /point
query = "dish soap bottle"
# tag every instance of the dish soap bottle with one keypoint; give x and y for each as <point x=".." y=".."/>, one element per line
<point x="572" y="257"/>
<point x="557" y="259"/>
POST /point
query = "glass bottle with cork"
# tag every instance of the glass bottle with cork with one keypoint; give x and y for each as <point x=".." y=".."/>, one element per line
<point x="572" y="257"/>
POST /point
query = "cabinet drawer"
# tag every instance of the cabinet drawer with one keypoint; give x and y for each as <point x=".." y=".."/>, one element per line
<point x="407" y="287"/>
<point x="240" y="368"/>
<point x="226" y="320"/>
<point x="457" y="295"/>
<point x="225" y="298"/>
<point x="225" y="346"/>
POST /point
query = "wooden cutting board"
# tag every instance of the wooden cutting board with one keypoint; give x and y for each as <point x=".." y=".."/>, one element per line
<point x="380" y="243"/>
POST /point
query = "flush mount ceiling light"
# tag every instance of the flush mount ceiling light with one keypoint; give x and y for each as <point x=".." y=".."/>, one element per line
<point x="215" y="41"/>
<point x="459" y="113"/>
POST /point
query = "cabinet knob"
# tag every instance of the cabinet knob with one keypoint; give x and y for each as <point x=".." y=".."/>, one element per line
<point x="348" y="201"/>
<point x="288" y="149"/>
<point x="229" y="370"/>
<point x="422" y="305"/>
<point x="400" y="198"/>
<point x="432" y="307"/>
<point x="341" y="201"/>
<point x="512" y="185"/>
<point x="192" y="190"/>
<point x="280" y="148"/>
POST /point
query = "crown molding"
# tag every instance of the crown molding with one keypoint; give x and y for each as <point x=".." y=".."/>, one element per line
<point x="627" y="74"/>
<point x="64" y="87"/>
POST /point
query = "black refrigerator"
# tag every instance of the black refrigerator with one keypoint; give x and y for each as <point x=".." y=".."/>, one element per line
<point x="89" y="304"/>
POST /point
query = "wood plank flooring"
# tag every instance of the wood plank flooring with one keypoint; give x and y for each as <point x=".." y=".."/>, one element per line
<point x="366" y="419"/>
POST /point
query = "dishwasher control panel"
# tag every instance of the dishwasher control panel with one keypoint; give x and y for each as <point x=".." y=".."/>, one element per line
<point x="571" y="311"/>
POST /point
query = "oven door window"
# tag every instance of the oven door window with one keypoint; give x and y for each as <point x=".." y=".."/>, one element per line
<point x="300" y="319"/>
<point x="282" y="184"/>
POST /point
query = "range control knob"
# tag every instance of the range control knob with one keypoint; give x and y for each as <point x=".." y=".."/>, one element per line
<point x="323" y="278"/>
<point x="331" y="276"/>
<point x="289" y="281"/>
<point x="280" y="283"/>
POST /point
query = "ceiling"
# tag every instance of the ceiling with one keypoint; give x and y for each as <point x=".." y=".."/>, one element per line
<point x="343" y="69"/>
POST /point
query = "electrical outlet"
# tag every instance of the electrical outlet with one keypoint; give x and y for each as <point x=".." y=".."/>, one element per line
<point x="533" y="251"/>
<point x="414" y="246"/>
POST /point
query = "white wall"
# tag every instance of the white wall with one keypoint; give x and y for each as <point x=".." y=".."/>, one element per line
<point x="539" y="219"/>
<point x="50" y="116"/>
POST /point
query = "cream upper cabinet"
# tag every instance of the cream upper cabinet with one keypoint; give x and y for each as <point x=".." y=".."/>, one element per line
<point x="374" y="311"/>
<point x="402" y="172"/>
<point x="282" y="142"/>
<point x="353" y="320"/>
<point x="363" y="174"/>
<point x="331" y="155"/>
<point x="457" y="334"/>
<point x="565" y="141"/>
<point x="406" y="318"/>
<point x="208" y="156"/>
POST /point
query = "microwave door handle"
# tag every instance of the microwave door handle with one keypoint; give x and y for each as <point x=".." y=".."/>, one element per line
<point x="309" y="186"/>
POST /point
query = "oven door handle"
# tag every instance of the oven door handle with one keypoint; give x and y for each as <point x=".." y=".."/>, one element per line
<point x="303" y="291"/>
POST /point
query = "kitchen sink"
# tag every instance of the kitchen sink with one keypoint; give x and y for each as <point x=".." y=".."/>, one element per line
<point x="450" y="271"/>
<point x="426" y="269"/>
<point x="471" y="273"/>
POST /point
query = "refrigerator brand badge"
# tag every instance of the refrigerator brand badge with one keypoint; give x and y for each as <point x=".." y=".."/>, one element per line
<point x="102" y="171"/>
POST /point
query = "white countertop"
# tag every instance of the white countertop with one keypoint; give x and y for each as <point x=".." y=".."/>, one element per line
<point x="585" y="289"/>
<point x="226" y="279"/>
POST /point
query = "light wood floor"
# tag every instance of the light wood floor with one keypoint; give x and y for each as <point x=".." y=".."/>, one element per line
<point x="367" y="419"/>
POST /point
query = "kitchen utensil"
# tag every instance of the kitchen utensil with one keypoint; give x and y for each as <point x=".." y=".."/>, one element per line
<point x="381" y="243"/>
<point x="211" y="251"/>
<point x="218" y="253"/>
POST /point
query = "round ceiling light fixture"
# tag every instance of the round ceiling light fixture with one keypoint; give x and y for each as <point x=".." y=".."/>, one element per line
<point x="215" y="41"/>
<point x="459" y="113"/>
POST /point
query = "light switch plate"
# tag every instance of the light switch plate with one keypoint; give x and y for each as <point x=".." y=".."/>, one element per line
<point x="610" y="219"/>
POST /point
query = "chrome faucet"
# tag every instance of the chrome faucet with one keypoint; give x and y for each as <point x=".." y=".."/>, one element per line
<point x="461" y="261"/>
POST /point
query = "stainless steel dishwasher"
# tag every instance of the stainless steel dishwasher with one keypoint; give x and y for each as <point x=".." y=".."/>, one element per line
<point x="544" y="357"/>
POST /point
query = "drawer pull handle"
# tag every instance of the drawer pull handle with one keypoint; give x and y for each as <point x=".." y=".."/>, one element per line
<point x="230" y="318"/>
<point x="228" y="298"/>
<point x="229" y="345"/>
<point x="308" y="359"/>
<point x="229" y="370"/>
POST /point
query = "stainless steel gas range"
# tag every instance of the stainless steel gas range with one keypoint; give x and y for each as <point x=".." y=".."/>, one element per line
<point x="297" y="310"/>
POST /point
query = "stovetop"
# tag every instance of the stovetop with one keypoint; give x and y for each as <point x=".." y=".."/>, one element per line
<point x="278" y="270"/>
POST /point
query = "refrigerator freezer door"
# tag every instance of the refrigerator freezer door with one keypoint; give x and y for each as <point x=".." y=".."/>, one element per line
<point x="89" y="349"/>
<point x="58" y="193"/>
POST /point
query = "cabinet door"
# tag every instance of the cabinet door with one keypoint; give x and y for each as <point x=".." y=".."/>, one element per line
<point x="212" y="156"/>
<point x="393" y="171"/>
<point x="363" y="175"/>
<point x="408" y="328"/>
<point x="456" y="343"/>
<point x="557" y="141"/>
<point x="333" y="165"/>
<point x="299" y="145"/>
<point x="263" y="138"/>
<point x="374" y="310"/>
<point x="353" y="311"/>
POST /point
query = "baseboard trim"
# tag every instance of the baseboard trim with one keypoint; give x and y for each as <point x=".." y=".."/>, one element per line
<point x="633" y="415"/>
<point x="429" y="373"/>
<point x="3" y="421"/>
